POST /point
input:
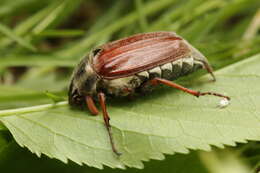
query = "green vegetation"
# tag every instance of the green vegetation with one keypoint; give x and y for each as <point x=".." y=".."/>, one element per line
<point x="41" y="42"/>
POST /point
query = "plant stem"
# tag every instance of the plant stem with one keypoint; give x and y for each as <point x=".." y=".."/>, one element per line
<point x="30" y="109"/>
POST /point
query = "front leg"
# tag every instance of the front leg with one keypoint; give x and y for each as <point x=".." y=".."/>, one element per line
<point x="91" y="105"/>
<point x="106" y="118"/>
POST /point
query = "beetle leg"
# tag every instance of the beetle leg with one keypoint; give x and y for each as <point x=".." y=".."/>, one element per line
<point x="102" y="101"/>
<point x="156" y="81"/>
<point x="91" y="105"/>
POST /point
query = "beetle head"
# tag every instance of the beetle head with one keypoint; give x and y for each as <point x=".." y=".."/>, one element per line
<point x="83" y="83"/>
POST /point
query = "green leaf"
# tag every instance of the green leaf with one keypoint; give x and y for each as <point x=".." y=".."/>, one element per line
<point x="17" y="161"/>
<point x="166" y="121"/>
<point x="55" y="98"/>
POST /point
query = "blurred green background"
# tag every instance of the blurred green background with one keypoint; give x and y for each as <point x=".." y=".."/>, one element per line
<point x="41" y="42"/>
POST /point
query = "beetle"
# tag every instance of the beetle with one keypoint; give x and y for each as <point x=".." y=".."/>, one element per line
<point x="134" y="65"/>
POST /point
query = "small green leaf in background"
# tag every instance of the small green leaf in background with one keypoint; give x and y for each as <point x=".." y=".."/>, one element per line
<point x="166" y="121"/>
<point x="55" y="98"/>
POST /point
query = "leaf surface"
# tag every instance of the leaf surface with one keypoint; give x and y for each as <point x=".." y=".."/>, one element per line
<point x="164" y="121"/>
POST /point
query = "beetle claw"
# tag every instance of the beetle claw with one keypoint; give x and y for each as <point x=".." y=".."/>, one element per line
<point x="223" y="103"/>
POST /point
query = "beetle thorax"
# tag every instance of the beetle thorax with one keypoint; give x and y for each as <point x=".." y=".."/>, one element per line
<point x="84" y="82"/>
<point x="87" y="83"/>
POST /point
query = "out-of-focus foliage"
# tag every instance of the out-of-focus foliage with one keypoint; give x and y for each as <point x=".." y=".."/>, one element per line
<point x="41" y="41"/>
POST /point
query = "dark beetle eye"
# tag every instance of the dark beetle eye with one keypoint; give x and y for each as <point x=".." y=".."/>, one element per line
<point x="95" y="52"/>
